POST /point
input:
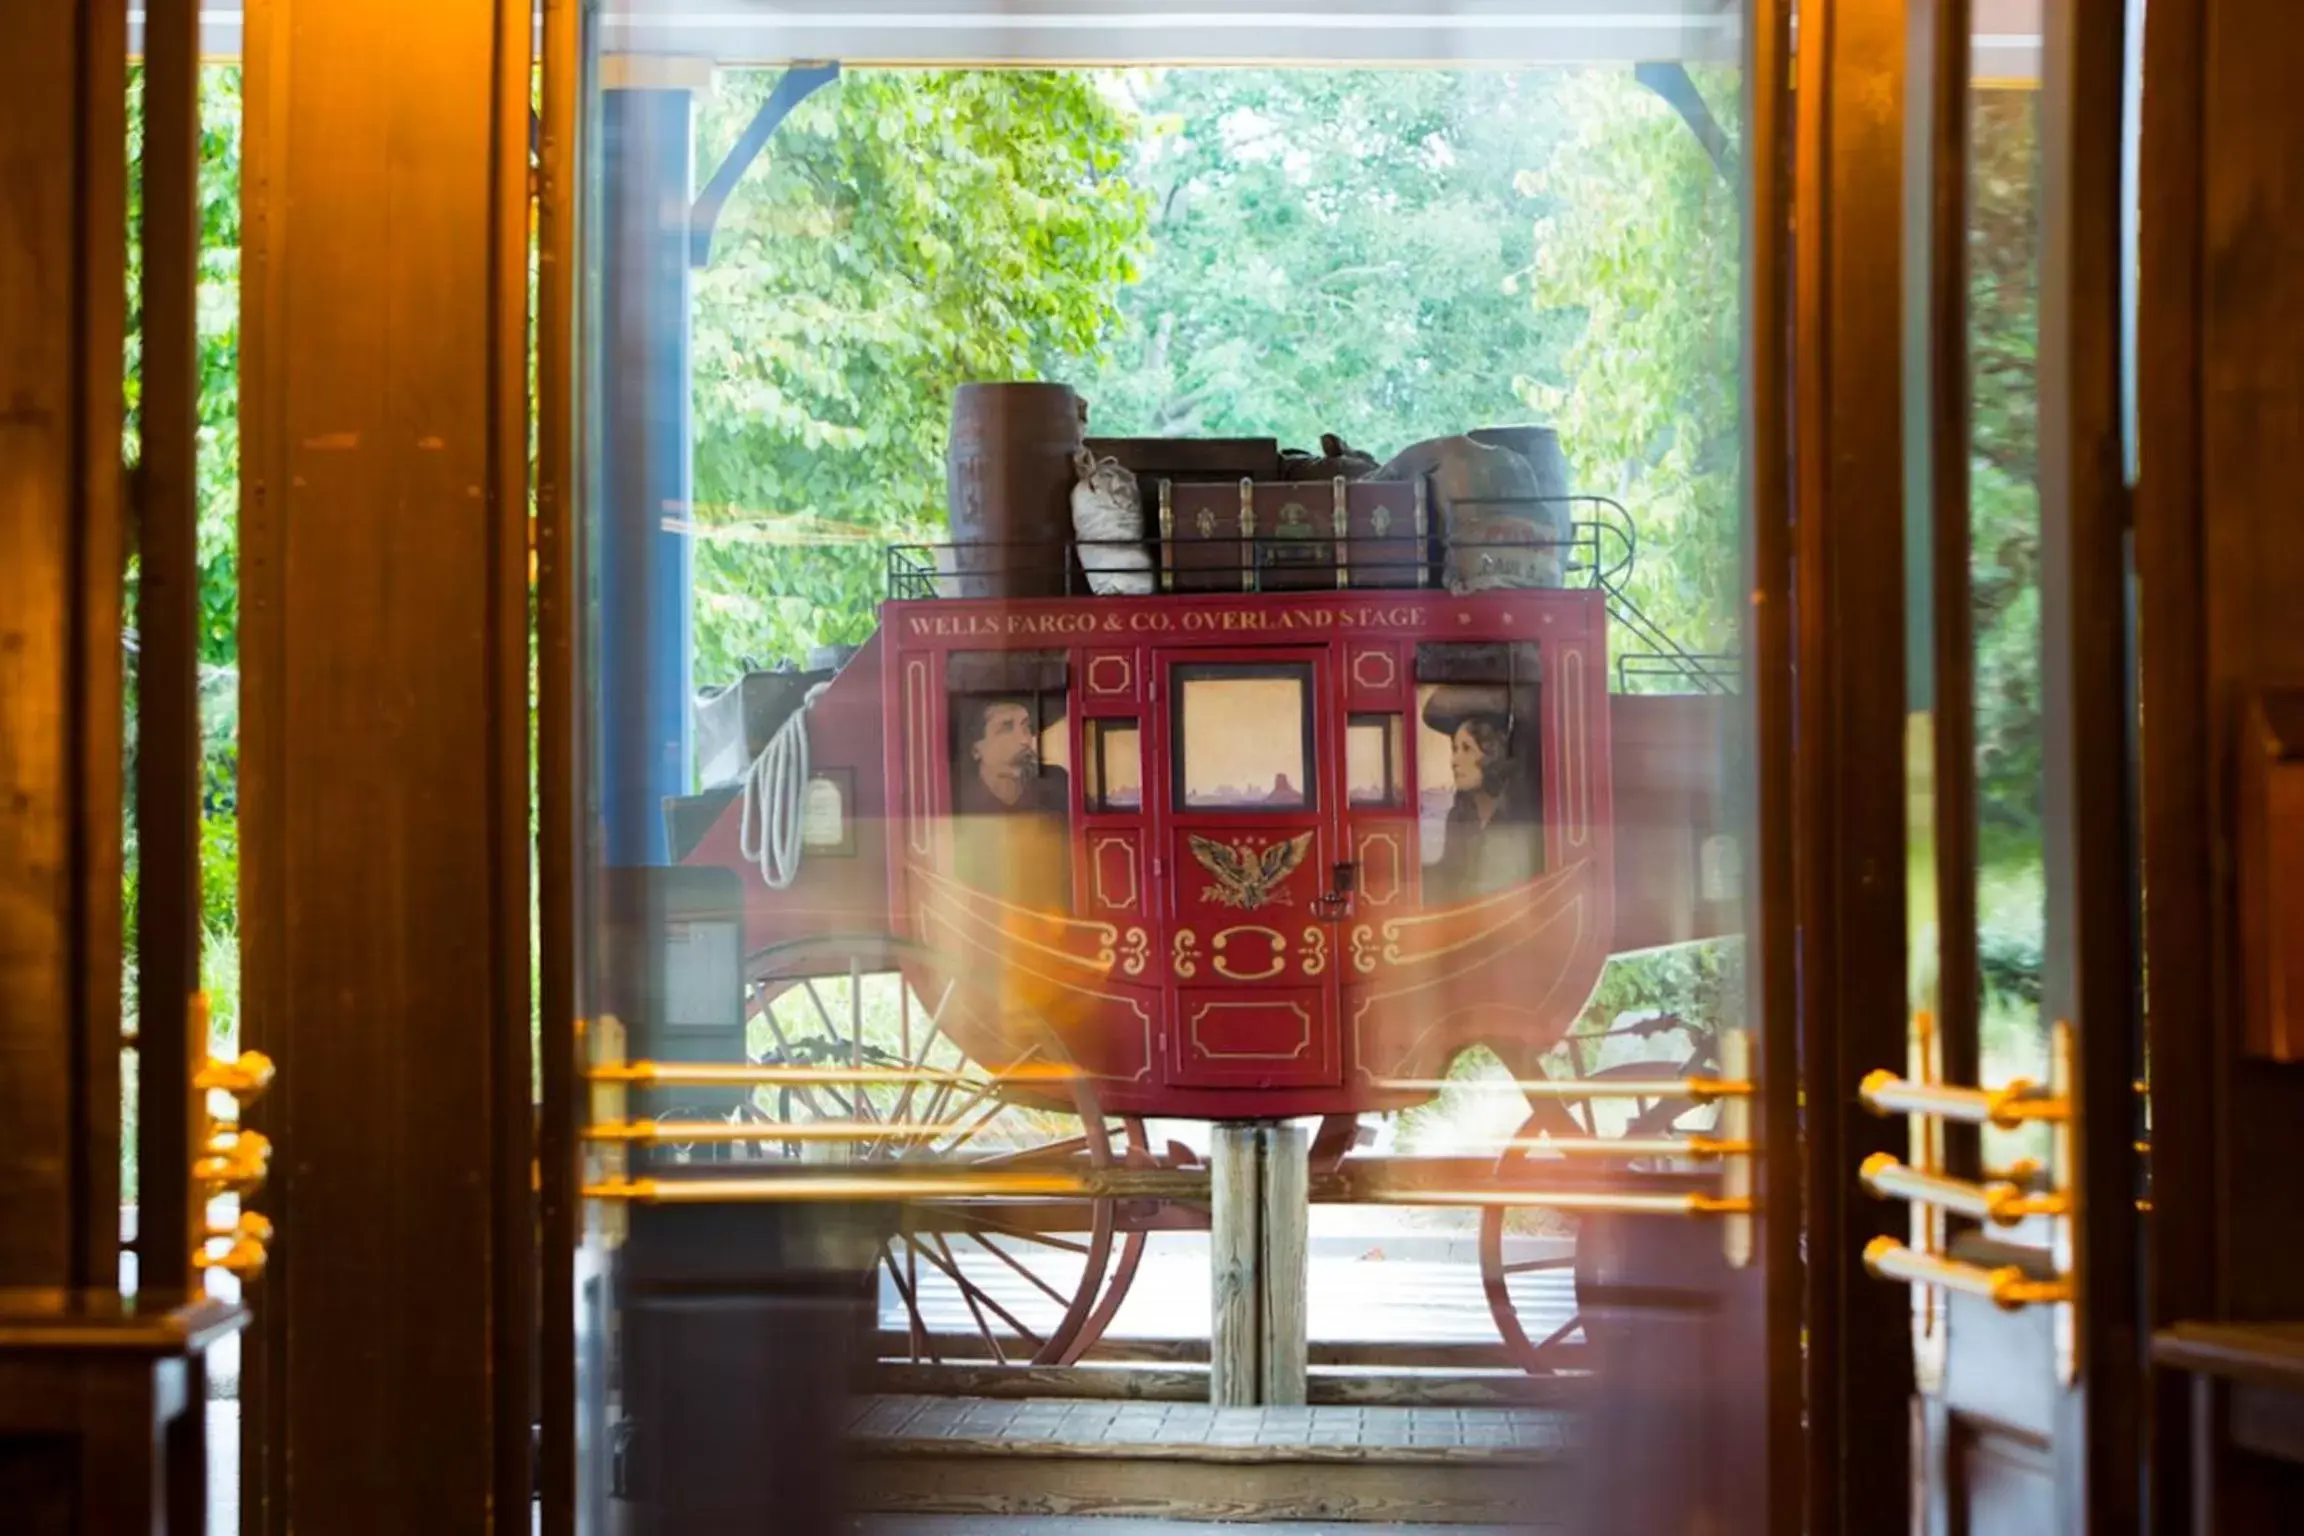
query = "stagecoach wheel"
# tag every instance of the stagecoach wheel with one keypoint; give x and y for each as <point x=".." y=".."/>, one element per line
<point x="1015" y="1280"/>
<point x="1531" y="1286"/>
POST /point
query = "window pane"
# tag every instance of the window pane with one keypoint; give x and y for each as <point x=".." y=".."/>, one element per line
<point x="1373" y="772"/>
<point x="1115" y="766"/>
<point x="1243" y="737"/>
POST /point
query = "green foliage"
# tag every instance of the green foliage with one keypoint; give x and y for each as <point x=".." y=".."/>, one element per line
<point x="903" y="233"/>
<point x="1641" y="243"/>
<point x="2004" y="499"/>
<point x="1333" y="251"/>
<point x="218" y="486"/>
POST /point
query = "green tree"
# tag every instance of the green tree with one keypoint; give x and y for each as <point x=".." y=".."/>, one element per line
<point x="904" y="233"/>
<point x="1333" y="251"/>
<point x="1640" y="249"/>
<point x="2004" y="467"/>
<point x="217" y="487"/>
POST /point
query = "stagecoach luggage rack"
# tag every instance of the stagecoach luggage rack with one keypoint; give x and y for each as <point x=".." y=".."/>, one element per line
<point x="1593" y="554"/>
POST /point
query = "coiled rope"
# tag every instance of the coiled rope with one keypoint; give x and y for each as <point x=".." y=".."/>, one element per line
<point x="775" y="795"/>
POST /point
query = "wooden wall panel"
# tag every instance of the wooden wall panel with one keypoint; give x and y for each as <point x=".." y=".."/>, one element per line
<point x="383" y="797"/>
<point x="62" y="301"/>
<point x="2220" y="554"/>
<point x="2251" y="435"/>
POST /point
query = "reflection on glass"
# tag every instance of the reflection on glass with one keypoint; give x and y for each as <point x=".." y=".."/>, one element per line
<point x="1243" y="738"/>
<point x="1115" y="767"/>
<point x="1373" y="773"/>
<point x="1331" y="267"/>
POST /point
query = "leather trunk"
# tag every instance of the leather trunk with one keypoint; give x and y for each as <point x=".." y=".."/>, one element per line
<point x="1267" y="536"/>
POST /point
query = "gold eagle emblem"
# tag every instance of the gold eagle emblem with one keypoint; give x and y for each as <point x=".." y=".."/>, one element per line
<point x="1247" y="877"/>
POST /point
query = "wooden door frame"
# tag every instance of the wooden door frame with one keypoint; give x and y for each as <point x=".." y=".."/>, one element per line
<point x="2090" y="955"/>
<point x="1848" y="896"/>
<point x="2187" y="990"/>
<point x="384" y="804"/>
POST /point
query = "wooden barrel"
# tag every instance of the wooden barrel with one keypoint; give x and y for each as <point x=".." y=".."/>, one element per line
<point x="1540" y="446"/>
<point x="1009" y="476"/>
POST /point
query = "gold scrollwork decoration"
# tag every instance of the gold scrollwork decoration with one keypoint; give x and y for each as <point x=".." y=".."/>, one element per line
<point x="1364" y="949"/>
<point x="1315" y="950"/>
<point x="1184" y="954"/>
<point x="1273" y="936"/>
<point x="1136" y="952"/>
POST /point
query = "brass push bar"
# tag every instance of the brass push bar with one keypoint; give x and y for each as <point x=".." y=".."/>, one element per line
<point x="910" y="1181"/>
<point x="2000" y="1203"/>
<point x="1701" y="1147"/>
<point x="1697" y="1090"/>
<point x="1884" y="1093"/>
<point x="678" y="1131"/>
<point x="2007" y="1286"/>
<point x="1688" y="1203"/>
<point x="857" y="1185"/>
<point x="683" y="1074"/>
<point x="894" y="1183"/>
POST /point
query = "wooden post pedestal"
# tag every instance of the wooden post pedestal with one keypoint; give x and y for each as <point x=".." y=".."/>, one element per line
<point x="1260" y="1210"/>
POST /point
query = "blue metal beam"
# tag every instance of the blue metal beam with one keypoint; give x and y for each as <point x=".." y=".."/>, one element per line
<point x="643" y="550"/>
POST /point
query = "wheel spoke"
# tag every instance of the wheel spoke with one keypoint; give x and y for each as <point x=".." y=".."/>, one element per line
<point x="972" y="1292"/>
<point x="968" y="1297"/>
<point x="784" y="1047"/>
<point x="973" y="1131"/>
<point x="1537" y="1264"/>
<point x="1009" y="1259"/>
<point x="911" y="1294"/>
<point x="927" y="1043"/>
<point x="856" y="1010"/>
<point x="1063" y="1148"/>
<point x="832" y="1033"/>
<point x="1022" y="1234"/>
<point x="1575" y="1321"/>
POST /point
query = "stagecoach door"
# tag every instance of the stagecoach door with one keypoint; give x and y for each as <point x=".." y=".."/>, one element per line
<point x="1249" y="844"/>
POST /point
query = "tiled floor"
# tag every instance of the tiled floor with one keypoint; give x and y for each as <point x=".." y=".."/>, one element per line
<point x="1059" y="1427"/>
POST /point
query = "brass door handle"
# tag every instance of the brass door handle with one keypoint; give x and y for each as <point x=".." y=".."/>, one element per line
<point x="2002" y="1202"/>
<point x="2006" y="1287"/>
<point x="230" y="1159"/>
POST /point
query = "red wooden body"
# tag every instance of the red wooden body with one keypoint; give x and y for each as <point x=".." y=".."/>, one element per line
<point x="1181" y="995"/>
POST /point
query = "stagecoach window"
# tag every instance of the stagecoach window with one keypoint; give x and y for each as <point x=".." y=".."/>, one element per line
<point x="1243" y="737"/>
<point x="1478" y="767"/>
<point x="1115" y="767"/>
<point x="1374" y="773"/>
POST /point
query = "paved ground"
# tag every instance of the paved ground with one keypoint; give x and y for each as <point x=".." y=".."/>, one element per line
<point x="981" y="1525"/>
<point x="1322" y="1432"/>
<point x="1374" y="1275"/>
<point x="1397" y="1283"/>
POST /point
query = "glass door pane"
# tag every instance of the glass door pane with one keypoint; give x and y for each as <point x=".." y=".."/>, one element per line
<point x="1345" y="429"/>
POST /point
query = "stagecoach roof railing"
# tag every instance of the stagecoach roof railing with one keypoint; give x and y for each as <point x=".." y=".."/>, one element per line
<point x="1600" y="551"/>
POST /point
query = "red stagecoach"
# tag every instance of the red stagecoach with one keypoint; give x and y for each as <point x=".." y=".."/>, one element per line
<point x="1038" y="872"/>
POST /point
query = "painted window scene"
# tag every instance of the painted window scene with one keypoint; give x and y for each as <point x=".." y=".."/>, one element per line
<point x="1011" y="776"/>
<point x="1477" y="768"/>
<point x="1244" y="737"/>
<point x="1375" y="772"/>
<point x="1113" y="768"/>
